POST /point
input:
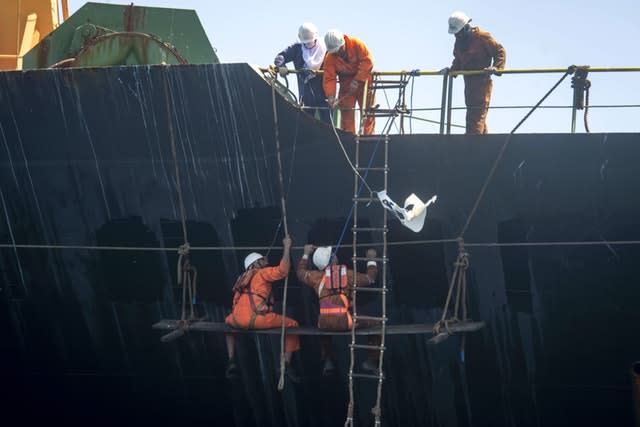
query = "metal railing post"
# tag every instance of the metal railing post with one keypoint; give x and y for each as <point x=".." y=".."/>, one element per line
<point x="449" y="101"/>
<point x="443" y="103"/>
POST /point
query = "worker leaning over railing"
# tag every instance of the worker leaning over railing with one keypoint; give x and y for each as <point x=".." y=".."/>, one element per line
<point x="349" y="60"/>
<point x="307" y="57"/>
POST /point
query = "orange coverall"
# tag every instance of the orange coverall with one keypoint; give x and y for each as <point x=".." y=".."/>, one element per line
<point x="243" y="315"/>
<point x="356" y="63"/>
<point x="313" y="278"/>
<point x="475" y="52"/>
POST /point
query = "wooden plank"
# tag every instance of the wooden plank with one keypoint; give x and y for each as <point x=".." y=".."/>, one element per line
<point x="423" y="328"/>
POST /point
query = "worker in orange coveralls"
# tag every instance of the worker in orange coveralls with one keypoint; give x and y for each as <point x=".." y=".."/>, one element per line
<point x="252" y="302"/>
<point x="475" y="50"/>
<point x="333" y="284"/>
<point x="348" y="61"/>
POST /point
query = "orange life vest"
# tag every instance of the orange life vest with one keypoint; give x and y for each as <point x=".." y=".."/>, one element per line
<point x="336" y="281"/>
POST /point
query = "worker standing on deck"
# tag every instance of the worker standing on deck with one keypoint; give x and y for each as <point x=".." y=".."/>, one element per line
<point x="349" y="62"/>
<point x="252" y="303"/>
<point x="475" y="50"/>
<point x="307" y="57"/>
<point x="333" y="283"/>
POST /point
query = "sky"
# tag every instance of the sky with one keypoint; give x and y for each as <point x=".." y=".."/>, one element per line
<point x="413" y="34"/>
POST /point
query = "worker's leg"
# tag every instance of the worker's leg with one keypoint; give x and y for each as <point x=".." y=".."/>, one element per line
<point x="347" y="107"/>
<point x="231" y="345"/>
<point x="315" y="97"/>
<point x="369" y="124"/>
<point x="477" y="94"/>
<point x="274" y="320"/>
<point x="232" y="370"/>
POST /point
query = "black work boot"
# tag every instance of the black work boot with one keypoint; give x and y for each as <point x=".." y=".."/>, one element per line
<point x="329" y="368"/>
<point x="232" y="371"/>
<point x="292" y="373"/>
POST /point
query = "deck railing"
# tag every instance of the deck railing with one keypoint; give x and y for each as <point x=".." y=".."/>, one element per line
<point x="579" y="80"/>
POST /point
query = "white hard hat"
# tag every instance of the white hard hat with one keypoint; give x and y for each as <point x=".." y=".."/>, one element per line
<point x="322" y="257"/>
<point x="334" y="39"/>
<point x="250" y="259"/>
<point x="457" y="21"/>
<point x="307" y="32"/>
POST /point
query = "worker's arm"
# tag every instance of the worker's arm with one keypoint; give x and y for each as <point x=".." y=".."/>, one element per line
<point x="329" y="77"/>
<point x="497" y="52"/>
<point x="365" y="61"/>
<point x="309" y="277"/>
<point x="271" y="274"/>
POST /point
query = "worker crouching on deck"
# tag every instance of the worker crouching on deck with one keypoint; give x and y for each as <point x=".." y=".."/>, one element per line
<point x="253" y="301"/>
<point x="333" y="283"/>
<point x="349" y="60"/>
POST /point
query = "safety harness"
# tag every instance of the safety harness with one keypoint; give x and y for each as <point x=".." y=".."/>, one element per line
<point x="243" y="286"/>
<point x="335" y="280"/>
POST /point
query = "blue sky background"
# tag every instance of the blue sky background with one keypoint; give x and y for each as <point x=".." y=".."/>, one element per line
<point x="413" y="35"/>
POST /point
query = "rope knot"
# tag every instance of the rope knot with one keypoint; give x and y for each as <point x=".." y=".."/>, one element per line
<point x="184" y="249"/>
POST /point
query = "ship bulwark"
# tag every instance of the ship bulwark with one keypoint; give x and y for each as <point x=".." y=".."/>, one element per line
<point x="92" y="216"/>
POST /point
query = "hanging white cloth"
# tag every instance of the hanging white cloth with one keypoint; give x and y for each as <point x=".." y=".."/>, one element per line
<point x="414" y="212"/>
<point x="314" y="56"/>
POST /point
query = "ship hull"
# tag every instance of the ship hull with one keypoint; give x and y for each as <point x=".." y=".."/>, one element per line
<point x="107" y="171"/>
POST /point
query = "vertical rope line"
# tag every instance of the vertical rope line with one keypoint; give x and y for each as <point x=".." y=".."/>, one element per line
<point x="453" y="282"/>
<point x="286" y="233"/>
<point x="175" y="156"/>
<point x="184" y="289"/>
<point x="504" y="148"/>
<point x="183" y="250"/>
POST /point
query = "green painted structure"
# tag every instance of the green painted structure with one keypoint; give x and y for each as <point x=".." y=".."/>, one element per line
<point x="110" y="35"/>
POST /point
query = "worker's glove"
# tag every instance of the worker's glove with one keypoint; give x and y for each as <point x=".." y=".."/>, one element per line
<point x="492" y="70"/>
<point x="308" y="74"/>
<point x="371" y="253"/>
<point x="353" y="86"/>
<point x="308" y="248"/>
<point x="444" y="71"/>
<point x="332" y="101"/>
<point x="283" y="71"/>
<point x="279" y="61"/>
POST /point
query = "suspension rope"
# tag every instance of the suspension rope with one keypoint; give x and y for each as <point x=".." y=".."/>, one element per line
<point x="346" y="156"/>
<point x="286" y="233"/>
<point x="569" y="71"/>
<point x="364" y="182"/>
<point x="459" y="283"/>
<point x="293" y="157"/>
<point x="459" y="277"/>
<point x="186" y="273"/>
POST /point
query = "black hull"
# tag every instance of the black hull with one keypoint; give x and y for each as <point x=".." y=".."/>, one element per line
<point x="87" y="165"/>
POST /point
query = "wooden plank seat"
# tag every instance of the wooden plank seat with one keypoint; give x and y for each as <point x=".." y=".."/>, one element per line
<point x="176" y="329"/>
